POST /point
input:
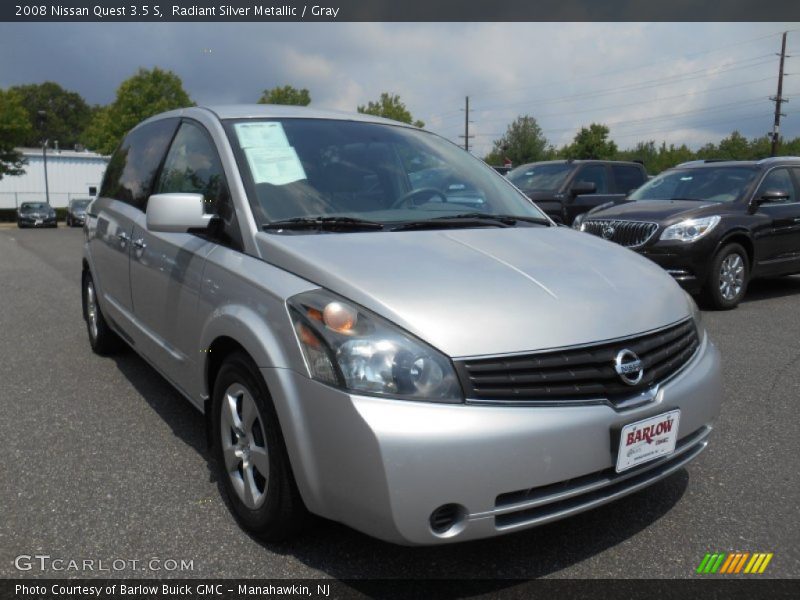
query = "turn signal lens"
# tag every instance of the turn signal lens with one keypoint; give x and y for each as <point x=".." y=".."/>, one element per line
<point x="340" y="317"/>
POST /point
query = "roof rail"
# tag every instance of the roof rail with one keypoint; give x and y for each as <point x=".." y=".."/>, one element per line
<point x="772" y="159"/>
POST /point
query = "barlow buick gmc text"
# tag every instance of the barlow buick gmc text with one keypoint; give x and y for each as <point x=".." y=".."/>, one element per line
<point x="382" y="330"/>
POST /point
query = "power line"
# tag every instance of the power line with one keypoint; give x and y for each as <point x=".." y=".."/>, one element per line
<point x="636" y="103"/>
<point x="737" y="44"/>
<point x="636" y="86"/>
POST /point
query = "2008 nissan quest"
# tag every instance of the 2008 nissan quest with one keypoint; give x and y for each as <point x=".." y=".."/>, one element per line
<point x="425" y="362"/>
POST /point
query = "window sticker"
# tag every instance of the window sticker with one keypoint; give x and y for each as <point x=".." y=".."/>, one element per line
<point x="261" y="134"/>
<point x="274" y="165"/>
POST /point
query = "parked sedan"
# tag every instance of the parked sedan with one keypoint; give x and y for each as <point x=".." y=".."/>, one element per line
<point x="76" y="212"/>
<point x="714" y="226"/>
<point x="423" y="362"/>
<point x="36" y="214"/>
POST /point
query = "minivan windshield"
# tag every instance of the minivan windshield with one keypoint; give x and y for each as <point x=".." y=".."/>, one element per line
<point x="544" y="177"/>
<point x="709" y="184"/>
<point x="367" y="174"/>
<point x="80" y="204"/>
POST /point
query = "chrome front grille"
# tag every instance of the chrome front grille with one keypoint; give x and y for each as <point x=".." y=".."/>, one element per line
<point x="626" y="233"/>
<point x="578" y="374"/>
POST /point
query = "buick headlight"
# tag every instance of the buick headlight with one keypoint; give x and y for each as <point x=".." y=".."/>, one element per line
<point x="346" y="346"/>
<point x="690" y="230"/>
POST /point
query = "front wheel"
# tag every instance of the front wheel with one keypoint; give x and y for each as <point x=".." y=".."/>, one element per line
<point x="251" y="456"/>
<point x="728" y="279"/>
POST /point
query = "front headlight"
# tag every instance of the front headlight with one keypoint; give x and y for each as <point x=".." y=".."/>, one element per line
<point x="346" y="346"/>
<point x="578" y="222"/>
<point x="690" y="230"/>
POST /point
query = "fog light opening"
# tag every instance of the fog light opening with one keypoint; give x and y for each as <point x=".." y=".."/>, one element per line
<point x="448" y="520"/>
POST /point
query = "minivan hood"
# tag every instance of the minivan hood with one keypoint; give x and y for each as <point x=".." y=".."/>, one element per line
<point x="655" y="210"/>
<point x="472" y="292"/>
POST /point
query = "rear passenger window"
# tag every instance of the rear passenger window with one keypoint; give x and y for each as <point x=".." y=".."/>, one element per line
<point x="596" y="174"/>
<point x="131" y="170"/>
<point x="627" y="178"/>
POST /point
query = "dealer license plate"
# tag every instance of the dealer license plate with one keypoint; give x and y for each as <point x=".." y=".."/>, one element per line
<point x="648" y="440"/>
<point x="38" y="222"/>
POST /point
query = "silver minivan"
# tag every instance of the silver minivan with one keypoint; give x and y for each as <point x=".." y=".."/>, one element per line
<point x="383" y="331"/>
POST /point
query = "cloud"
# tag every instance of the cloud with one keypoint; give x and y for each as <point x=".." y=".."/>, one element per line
<point x="680" y="82"/>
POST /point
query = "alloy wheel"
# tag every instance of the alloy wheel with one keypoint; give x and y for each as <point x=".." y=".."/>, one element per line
<point x="91" y="309"/>
<point x="731" y="276"/>
<point x="244" y="446"/>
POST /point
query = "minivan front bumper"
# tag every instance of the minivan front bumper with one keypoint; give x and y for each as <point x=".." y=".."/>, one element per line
<point x="384" y="466"/>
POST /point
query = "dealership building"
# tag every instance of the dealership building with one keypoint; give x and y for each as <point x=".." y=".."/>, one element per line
<point x="70" y="174"/>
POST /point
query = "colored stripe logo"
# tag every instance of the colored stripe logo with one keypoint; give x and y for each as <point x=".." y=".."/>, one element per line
<point x="733" y="563"/>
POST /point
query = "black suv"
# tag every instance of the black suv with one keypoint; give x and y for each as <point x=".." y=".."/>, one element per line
<point x="565" y="189"/>
<point x="713" y="225"/>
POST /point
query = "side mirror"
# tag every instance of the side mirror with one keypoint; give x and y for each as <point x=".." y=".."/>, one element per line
<point x="767" y="197"/>
<point x="583" y="187"/>
<point x="176" y="213"/>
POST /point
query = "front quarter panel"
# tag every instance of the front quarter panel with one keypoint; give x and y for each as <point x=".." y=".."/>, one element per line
<point x="244" y="298"/>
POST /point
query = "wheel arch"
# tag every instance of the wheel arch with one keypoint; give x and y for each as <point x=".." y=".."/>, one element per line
<point x="744" y="239"/>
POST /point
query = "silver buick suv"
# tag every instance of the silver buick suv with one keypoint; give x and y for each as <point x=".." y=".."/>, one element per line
<point x="383" y="331"/>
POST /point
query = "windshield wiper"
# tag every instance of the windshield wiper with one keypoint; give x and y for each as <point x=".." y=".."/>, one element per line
<point x="469" y="220"/>
<point x="324" y="224"/>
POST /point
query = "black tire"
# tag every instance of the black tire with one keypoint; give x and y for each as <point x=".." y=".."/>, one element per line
<point x="67" y="221"/>
<point x="281" y="513"/>
<point x="713" y="290"/>
<point x="102" y="338"/>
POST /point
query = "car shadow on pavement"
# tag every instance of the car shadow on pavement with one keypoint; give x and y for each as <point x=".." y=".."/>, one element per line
<point x="775" y="287"/>
<point x="344" y="553"/>
<point x="184" y="420"/>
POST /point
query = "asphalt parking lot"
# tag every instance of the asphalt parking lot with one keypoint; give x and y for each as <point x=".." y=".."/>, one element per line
<point x="103" y="460"/>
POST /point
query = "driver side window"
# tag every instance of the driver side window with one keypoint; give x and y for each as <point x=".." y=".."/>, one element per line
<point x="193" y="166"/>
<point x="596" y="174"/>
<point x="778" y="180"/>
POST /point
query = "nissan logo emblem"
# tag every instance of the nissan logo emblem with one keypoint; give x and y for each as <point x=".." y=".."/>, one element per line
<point x="628" y="366"/>
<point x="608" y="232"/>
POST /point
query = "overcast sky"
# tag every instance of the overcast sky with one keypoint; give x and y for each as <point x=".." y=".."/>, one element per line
<point x="691" y="83"/>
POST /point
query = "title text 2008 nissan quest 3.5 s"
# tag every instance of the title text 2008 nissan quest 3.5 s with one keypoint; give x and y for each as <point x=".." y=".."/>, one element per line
<point x="383" y="331"/>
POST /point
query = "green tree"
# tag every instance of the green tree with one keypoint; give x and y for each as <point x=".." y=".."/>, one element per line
<point x="734" y="147"/>
<point x="15" y="127"/>
<point x="390" y="106"/>
<point x="147" y="93"/>
<point x="592" y="142"/>
<point x="522" y="142"/>
<point x="286" y="95"/>
<point x="66" y="113"/>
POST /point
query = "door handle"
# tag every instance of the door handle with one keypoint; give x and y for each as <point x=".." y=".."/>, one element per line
<point x="123" y="237"/>
<point x="796" y="219"/>
<point x="139" y="244"/>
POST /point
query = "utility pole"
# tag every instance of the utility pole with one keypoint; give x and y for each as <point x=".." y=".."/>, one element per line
<point x="778" y="99"/>
<point x="466" y="135"/>
<point x="42" y="116"/>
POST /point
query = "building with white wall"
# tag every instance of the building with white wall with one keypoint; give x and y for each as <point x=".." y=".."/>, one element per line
<point x="70" y="174"/>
